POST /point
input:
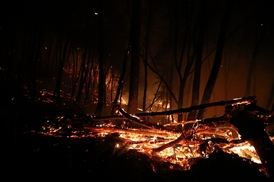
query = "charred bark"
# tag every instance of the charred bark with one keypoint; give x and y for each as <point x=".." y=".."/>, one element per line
<point x="101" y="86"/>
<point x="135" y="57"/>
<point x="188" y="109"/>
<point x="133" y="119"/>
<point x="145" y="60"/>
<point x="61" y="63"/>
<point x="198" y="107"/>
<point x="259" y="38"/>
<point x="218" y="58"/>
<point x="186" y="53"/>
<point x="251" y="127"/>
<point x="198" y="60"/>
<point x="242" y="114"/>
<point x="121" y="80"/>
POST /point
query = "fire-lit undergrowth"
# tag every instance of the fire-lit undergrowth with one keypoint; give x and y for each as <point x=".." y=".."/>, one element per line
<point x="160" y="143"/>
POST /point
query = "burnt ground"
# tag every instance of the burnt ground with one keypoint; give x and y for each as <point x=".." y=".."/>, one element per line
<point x="34" y="157"/>
<point x="37" y="157"/>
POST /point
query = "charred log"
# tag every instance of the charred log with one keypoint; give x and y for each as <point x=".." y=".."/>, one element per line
<point x="133" y="119"/>
<point x="208" y="135"/>
<point x="199" y="107"/>
<point x="170" y="144"/>
<point x="251" y="122"/>
<point x="187" y="109"/>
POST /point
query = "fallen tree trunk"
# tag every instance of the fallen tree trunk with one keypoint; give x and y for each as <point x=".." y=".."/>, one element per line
<point x="167" y="145"/>
<point x="242" y="115"/>
<point x="182" y="110"/>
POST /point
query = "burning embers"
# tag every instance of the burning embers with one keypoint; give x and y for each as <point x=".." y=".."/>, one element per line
<point x="151" y="141"/>
<point x="164" y="143"/>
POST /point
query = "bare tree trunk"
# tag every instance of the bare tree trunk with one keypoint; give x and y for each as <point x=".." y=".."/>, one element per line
<point x="169" y="96"/>
<point x="84" y="74"/>
<point x="75" y="74"/>
<point x="61" y="61"/>
<point x="145" y="60"/>
<point x="121" y="80"/>
<point x="101" y="85"/>
<point x="37" y="61"/>
<point x="179" y="62"/>
<point x="89" y="77"/>
<point x="145" y="77"/>
<point x="31" y="84"/>
<point x="252" y="65"/>
<point x="135" y="57"/>
<point x="218" y="58"/>
<point x="198" y="62"/>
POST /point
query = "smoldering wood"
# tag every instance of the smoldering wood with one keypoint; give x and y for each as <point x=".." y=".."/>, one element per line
<point x="182" y="110"/>
<point x="133" y="119"/>
<point x="251" y="121"/>
<point x="243" y="114"/>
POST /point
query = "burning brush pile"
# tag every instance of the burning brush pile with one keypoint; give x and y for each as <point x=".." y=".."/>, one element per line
<point x="239" y="131"/>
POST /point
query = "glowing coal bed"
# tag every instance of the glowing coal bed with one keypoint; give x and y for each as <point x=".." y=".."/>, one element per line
<point x="149" y="141"/>
<point x="163" y="148"/>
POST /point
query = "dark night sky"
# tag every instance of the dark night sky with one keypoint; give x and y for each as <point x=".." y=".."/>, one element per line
<point x="78" y="21"/>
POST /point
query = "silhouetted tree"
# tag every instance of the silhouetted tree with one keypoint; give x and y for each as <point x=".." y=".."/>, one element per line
<point x="121" y="79"/>
<point x="202" y="22"/>
<point x="218" y="58"/>
<point x="259" y="37"/>
<point x="102" y="78"/>
<point x="135" y="57"/>
<point x="63" y="48"/>
<point x="148" y="16"/>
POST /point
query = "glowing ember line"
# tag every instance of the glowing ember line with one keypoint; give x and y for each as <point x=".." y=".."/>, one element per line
<point x="147" y="140"/>
<point x="163" y="144"/>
